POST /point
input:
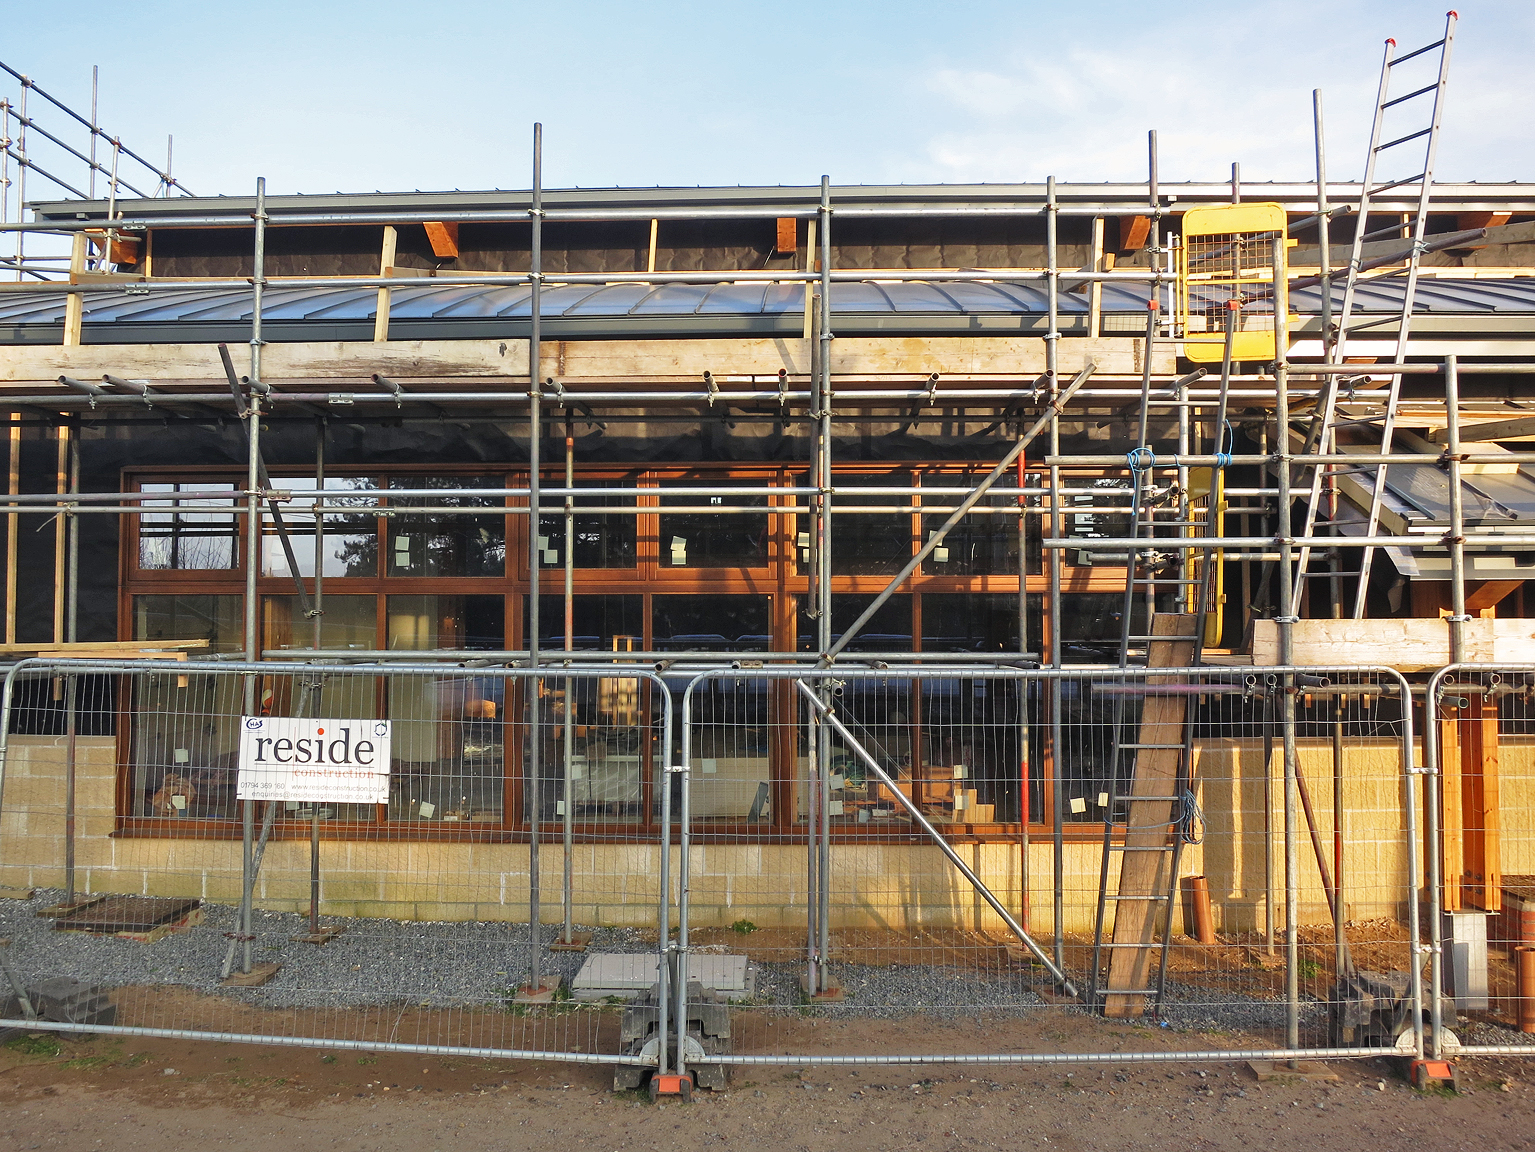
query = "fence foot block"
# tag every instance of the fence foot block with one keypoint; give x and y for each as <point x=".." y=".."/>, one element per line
<point x="255" y="978"/>
<point x="1427" y="1075"/>
<point x="1266" y="1070"/>
<point x="325" y="935"/>
<point x="577" y="942"/>
<point x="543" y="994"/>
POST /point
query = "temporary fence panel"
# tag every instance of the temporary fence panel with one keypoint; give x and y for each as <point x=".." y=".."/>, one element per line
<point x="1481" y="744"/>
<point x="394" y="894"/>
<point x="879" y="844"/>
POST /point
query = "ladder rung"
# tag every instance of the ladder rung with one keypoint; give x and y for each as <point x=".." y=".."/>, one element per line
<point x="1403" y="139"/>
<point x="1131" y="991"/>
<point x="1410" y="95"/>
<point x="1392" y="63"/>
<point x="1325" y="575"/>
<point x="1140" y="848"/>
<point x="1397" y="183"/>
<point x="1131" y="896"/>
<point x="1122" y="747"/>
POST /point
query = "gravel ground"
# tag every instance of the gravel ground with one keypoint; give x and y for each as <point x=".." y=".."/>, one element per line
<point x="462" y="964"/>
<point x="372" y="962"/>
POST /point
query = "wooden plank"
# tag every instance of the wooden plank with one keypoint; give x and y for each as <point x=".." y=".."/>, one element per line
<point x="36" y="368"/>
<point x="443" y="237"/>
<point x="1134" y="231"/>
<point x="74" y="303"/>
<point x="1481" y="876"/>
<point x="1487" y="430"/>
<point x="69" y="649"/>
<point x="1490" y="593"/>
<point x="386" y="259"/>
<point x="1149" y="823"/>
<point x="786" y="240"/>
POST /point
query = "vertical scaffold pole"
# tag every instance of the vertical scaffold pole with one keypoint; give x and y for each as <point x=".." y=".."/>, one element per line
<point x="567" y="890"/>
<point x="1458" y="618"/>
<point x="316" y="636"/>
<point x="252" y="557"/>
<point x="534" y="774"/>
<point x="1052" y="374"/>
<point x="1286" y="648"/>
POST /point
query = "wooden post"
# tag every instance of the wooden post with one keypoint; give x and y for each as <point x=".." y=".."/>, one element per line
<point x="385" y="268"/>
<point x="60" y="534"/>
<point x="1095" y="289"/>
<point x="1144" y="865"/>
<point x="74" y="303"/>
<point x="12" y="532"/>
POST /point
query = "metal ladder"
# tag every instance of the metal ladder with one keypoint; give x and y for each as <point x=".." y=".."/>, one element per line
<point x="1322" y="433"/>
<point x="1195" y="589"/>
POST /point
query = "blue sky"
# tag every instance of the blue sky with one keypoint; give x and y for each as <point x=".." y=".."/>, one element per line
<point x="325" y="96"/>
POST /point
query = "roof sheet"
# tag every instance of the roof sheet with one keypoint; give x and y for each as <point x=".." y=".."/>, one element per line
<point x="681" y="307"/>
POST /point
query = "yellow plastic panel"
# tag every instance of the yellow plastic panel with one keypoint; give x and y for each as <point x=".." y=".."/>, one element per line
<point x="1228" y="254"/>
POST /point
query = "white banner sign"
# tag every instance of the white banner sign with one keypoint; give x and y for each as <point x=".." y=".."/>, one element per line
<point x="336" y="761"/>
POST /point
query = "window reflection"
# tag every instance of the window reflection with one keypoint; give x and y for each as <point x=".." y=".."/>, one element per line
<point x="187" y="540"/>
<point x="870" y="544"/>
<point x="709" y="539"/>
<point x="601" y="541"/>
<point x="350" y="541"/>
<point x="982" y="543"/>
<point x="435" y="544"/>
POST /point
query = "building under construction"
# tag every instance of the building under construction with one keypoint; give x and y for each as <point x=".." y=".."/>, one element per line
<point x="1114" y="588"/>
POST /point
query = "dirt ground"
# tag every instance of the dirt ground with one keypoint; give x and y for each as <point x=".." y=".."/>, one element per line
<point x="58" y="1093"/>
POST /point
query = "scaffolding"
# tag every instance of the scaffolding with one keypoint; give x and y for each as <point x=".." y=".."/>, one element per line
<point x="1274" y="396"/>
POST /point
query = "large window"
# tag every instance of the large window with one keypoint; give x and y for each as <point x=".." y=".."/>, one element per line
<point x="405" y="572"/>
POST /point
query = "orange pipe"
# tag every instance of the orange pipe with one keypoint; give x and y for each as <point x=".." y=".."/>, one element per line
<point x="1524" y="986"/>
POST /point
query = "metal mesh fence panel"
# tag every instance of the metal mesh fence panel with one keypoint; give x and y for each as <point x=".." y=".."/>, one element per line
<point x="880" y="844"/>
<point x="395" y="916"/>
<point x="1482" y="752"/>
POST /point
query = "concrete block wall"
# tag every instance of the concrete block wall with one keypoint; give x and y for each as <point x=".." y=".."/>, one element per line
<point x="896" y="886"/>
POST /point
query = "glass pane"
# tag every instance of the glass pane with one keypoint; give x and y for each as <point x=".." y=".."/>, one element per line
<point x="710" y="623"/>
<point x="185" y="540"/>
<point x="449" y="762"/>
<point x="185" y="743"/>
<point x="875" y="543"/>
<point x="591" y="753"/>
<point x="731" y="737"/>
<point x="972" y="740"/>
<point x="348" y="622"/>
<point x="218" y="619"/>
<point x="888" y="631"/>
<point x="983" y="543"/>
<point x="447" y="544"/>
<point x="350" y="544"/>
<point x="186" y="729"/>
<point x="970" y="622"/>
<point x="713" y="540"/>
<point x="424" y="623"/>
<point x="1091" y="626"/>
<point x="601" y="623"/>
<point x="602" y="541"/>
<point x="1088" y="512"/>
<point x="880" y="715"/>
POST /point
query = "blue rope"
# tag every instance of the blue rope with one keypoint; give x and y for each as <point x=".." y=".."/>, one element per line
<point x="1140" y="460"/>
<point x="1192" y="819"/>
<point x="1228" y="440"/>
